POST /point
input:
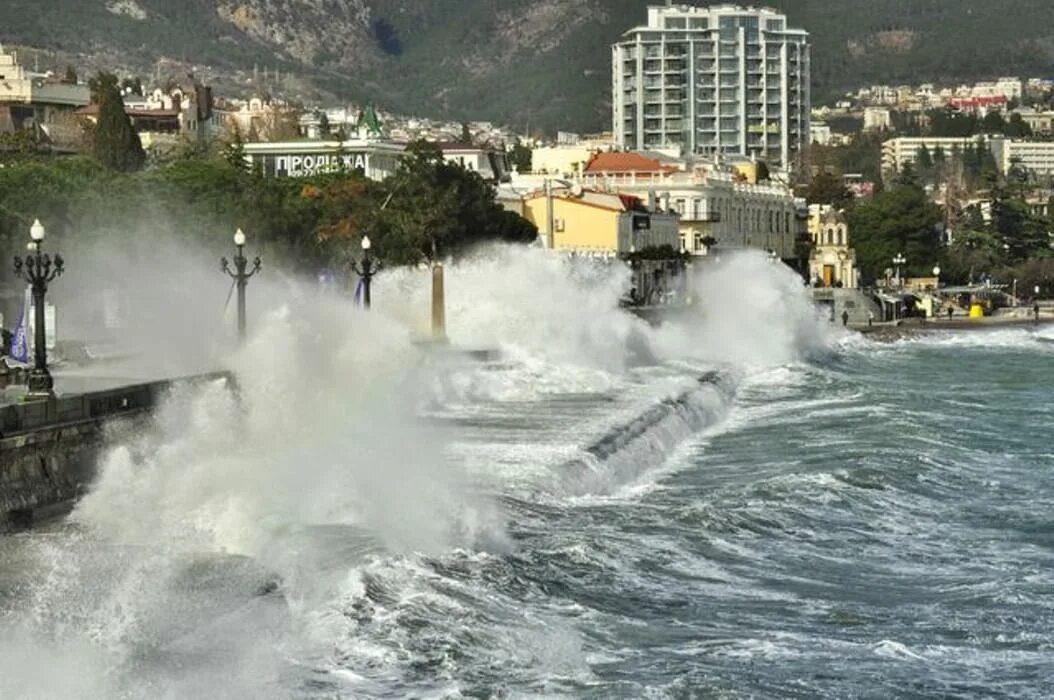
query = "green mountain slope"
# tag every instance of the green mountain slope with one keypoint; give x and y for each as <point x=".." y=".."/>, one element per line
<point x="543" y="63"/>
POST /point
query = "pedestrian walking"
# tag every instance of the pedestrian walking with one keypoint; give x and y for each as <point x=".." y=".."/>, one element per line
<point x="870" y="317"/>
<point x="950" y="312"/>
<point x="845" y="318"/>
<point x="1035" y="311"/>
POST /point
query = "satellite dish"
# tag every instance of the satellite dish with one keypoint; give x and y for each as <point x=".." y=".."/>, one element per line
<point x="576" y="190"/>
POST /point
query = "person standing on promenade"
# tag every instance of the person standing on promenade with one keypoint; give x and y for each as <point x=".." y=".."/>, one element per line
<point x="1035" y="311"/>
<point x="870" y="317"/>
<point x="950" y="312"/>
<point x="845" y="318"/>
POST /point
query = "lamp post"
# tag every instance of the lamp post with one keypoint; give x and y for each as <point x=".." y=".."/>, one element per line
<point x="240" y="276"/>
<point x="899" y="260"/>
<point x="38" y="269"/>
<point x="367" y="270"/>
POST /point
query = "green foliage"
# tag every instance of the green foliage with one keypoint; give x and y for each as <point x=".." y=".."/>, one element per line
<point x="972" y="253"/>
<point x="434" y="209"/>
<point x="133" y="86"/>
<point x="114" y="142"/>
<point x="1023" y="234"/>
<point x="520" y="157"/>
<point x="863" y="156"/>
<point x="899" y="220"/>
<point x="19" y="145"/>
<point x="427" y="210"/>
<point x="234" y="150"/>
<point x="828" y="188"/>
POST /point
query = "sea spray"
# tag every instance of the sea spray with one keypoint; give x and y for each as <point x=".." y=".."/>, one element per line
<point x="747" y="311"/>
<point x="321" y="470"/>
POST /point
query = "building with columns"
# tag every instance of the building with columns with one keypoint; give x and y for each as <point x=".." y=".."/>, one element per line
<point x="720" y="204"/>
<point x="832" y="262"/>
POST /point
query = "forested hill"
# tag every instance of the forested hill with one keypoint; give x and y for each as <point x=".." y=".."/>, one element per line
<point x="539" y="62"/>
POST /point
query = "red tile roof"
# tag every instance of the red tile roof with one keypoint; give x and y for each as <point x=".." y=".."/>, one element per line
<point x="626" y="162"/>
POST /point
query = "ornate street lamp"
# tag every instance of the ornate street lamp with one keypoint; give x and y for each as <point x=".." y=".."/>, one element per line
<point x="38" y="269"/>
<point x="899" y="260"/>
<point x="240" y="276"/>
<point x="368" y="269"/>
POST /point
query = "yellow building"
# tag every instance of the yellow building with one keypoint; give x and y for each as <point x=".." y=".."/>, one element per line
<point x="586" y="221"/>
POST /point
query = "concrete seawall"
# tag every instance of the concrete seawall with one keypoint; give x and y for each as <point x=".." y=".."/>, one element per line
<point x="48" y="449"/>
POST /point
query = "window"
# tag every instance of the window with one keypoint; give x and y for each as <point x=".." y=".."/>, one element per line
<point x="679" y="207"/>
<point x="676" y="23"/>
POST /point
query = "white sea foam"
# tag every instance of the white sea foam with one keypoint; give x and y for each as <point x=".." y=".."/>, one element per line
<point x="325" y="430"/>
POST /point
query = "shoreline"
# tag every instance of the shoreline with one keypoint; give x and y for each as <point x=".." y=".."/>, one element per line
<point x="889" y="331"/>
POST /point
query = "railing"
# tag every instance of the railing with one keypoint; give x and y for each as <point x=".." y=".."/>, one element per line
<point x="27" y="417"/>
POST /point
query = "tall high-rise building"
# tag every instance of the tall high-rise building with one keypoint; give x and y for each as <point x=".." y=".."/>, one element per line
<point x="722" y="80"/>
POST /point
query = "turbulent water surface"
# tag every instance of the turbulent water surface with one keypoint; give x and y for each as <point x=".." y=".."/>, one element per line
<point x="850" y="519"/>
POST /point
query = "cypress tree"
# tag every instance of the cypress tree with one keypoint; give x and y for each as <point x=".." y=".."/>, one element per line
<point x="115" y="143"/>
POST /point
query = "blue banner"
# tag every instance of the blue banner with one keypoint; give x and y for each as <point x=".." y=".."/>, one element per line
<point x="358" y="293"/>
<point x="20" y="340"/>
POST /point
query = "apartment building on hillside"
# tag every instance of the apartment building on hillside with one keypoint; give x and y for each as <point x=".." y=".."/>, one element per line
<point x="722" y="80"/>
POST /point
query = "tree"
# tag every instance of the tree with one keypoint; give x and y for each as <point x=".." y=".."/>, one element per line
<point x="972" y="253"/>
<point x="1017" y="127"/>
<point x="132" y="86"/>
<point x="234" y="150"/>
<point x="114" y="142"/>
<point x="993" y="123"/>
<point x="438" y="208"/>
<point x="924" y="160"/>
<point x="828" y="188"/>
<point x="427" y="210"/>
<point x="520" y="157"/>
<point x="763" y="174"/>
<point x="898" y="220"/>
<point x="323" y="125"/>
<point x="1022" y="233"/>
<point x="19" y="145"/>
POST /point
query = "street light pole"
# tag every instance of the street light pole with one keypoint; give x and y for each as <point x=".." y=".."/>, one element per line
<point x="38" y="270"/>
<point x="899" y="260"/>
<point x="240" y="276"/>
<point x="366" y="272"/>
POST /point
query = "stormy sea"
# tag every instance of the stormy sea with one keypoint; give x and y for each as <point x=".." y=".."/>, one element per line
<point x="742" y="502"/>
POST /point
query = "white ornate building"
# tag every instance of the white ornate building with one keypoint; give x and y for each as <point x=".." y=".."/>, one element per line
<point x="832" y="262"/>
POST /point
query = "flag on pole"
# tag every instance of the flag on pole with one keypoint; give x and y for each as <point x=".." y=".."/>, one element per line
<point x="358" y="293"/>
<point x="20" y="341"/>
